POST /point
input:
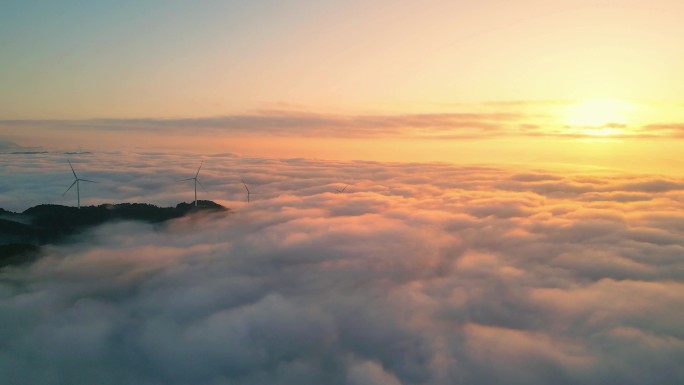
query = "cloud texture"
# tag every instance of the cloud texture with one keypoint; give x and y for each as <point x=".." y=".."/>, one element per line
<point x="299" y="124"/>
<point x="417" y="274"/>
<point x="493" y="120"/>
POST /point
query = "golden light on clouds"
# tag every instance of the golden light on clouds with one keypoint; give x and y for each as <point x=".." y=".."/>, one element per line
<point x="532" y="82"/>
<point x="432" y="192"/>
<point x="599" y="116"/>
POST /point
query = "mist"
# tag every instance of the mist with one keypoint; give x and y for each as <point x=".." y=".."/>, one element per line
<point x="419" y="273"/>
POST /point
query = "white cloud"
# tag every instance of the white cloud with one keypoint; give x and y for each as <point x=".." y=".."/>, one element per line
<point x="419" y="274"/>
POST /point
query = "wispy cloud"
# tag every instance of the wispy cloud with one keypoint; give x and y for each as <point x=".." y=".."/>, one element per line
<point x="289" y="123"/>
<point x="295" y="123"/>
<point x="675" y="130"/>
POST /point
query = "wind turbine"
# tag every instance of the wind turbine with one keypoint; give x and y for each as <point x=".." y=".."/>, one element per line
<point x="78" y="186"/>
<point x="342" y="190"/>
<point x="196" y="182"/>
<point x="246" y="188"/>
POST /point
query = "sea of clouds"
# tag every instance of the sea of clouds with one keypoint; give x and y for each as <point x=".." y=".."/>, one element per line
<point x="416" y="274"/>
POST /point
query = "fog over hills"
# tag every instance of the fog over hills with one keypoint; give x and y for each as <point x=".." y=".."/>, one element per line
<point x="22" y="234"/>
<point x="417" y="274"/>
<point x="415" y="192"/>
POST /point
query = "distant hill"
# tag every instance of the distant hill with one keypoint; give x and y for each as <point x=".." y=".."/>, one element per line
<point x="23" y="234"/>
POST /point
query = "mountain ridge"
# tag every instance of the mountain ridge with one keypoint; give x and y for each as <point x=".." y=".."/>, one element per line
<point x="22" y="235"/>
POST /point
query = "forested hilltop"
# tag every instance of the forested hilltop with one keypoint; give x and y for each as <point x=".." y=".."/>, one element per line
<point x="23" y="234"/>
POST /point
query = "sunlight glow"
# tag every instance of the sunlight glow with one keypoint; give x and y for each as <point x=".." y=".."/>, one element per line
<point x="598" y="117"/>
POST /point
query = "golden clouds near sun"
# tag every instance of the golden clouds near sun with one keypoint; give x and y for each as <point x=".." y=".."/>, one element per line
<point x="600" y="117"/>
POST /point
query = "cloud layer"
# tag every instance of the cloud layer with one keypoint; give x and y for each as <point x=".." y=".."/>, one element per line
<point x="300" y="124"/>
<point x="492" y="120"/>
<point x="417" y="274"/>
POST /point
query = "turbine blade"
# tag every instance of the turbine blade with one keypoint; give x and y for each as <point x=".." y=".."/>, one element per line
<point x="72" y="185"/>
<point x="199" y="183"/>
<point x="72" y="169"/>
<point x="244" y="184"/>
<point x="345" y="187"/>
<point x="198" y="170"/>
<point x="86" y="180"/>
<point x="180" y="180"/>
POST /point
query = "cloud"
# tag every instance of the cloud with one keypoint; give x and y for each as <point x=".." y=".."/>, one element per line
<point x="467" y="122"/>
<point x="8" y="145"/>
<point x="665" y="129"/>
<point x="417" y="274"/>
<point x="299" y="123"/>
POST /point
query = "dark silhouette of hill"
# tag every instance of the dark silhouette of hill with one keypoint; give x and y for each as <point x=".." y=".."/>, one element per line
<point x="23" y="234"/>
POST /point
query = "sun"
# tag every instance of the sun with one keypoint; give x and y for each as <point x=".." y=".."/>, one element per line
<point x="598" y="117"/>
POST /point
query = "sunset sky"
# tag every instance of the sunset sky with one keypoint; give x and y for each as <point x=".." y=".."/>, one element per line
<point x="482" y="192"/>
<point x="583" y="82"/>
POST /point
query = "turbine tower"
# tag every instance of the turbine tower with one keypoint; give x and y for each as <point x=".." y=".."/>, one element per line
<point x="78" y="186"/>
<point x="196" y="182"/>
<point x="246" y="188"/>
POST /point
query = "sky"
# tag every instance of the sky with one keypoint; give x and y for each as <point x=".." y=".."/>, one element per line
<point x="586" y="82"/>
<point x="512" y="196"/>
<point x="78" y="59"/>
